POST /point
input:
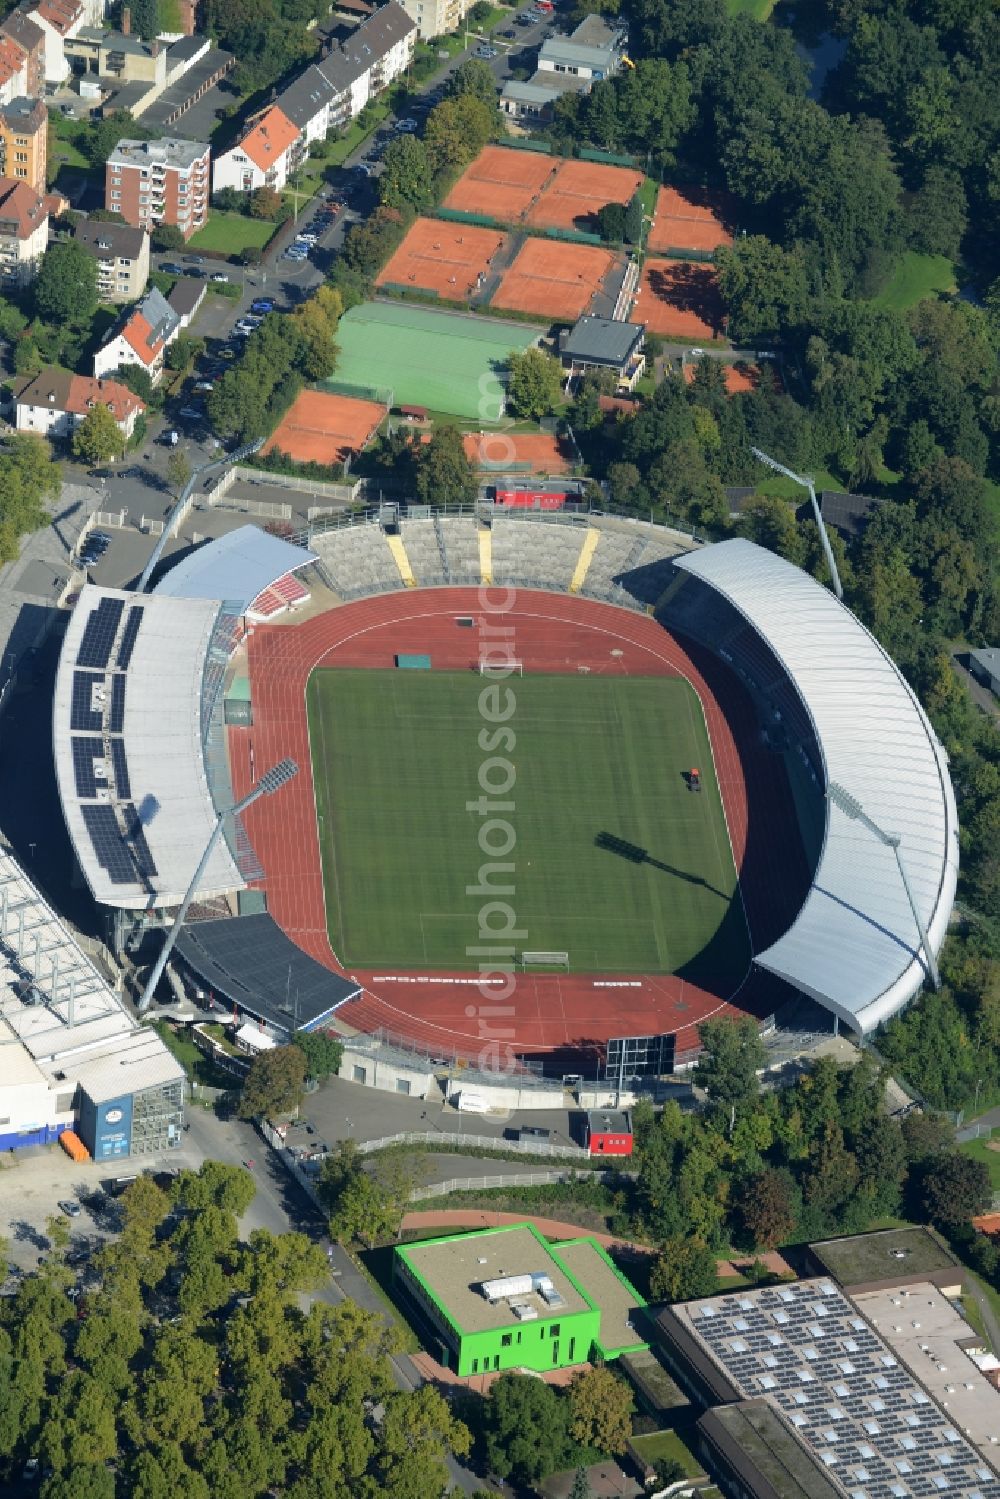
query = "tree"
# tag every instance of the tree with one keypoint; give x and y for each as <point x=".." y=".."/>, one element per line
<point x="183" y="351"/>
<point x="444" y="475"/>
<point x="315" y="321"/>
<point x="275" y="1083"/>
<point x="457" y="130"/>
<point x="954" y="1188"/>
<point x="264" y="203"/>
<point x="634" y="220"/>
<point x="684" y="1268"/>
<point x="178" y="470"/>
<point x="475" y="78"/>
<point x="525" y="1427"/>
<point x="762" y="285"/>
<point x="534" y="383"/>
<point x="766" y="1204"/>
<point x="98" y="438"/>
<point x="939" y="213"/>
<point x="407" y="180"/>
<point x="611" y="223"/>
<point x="601" y="1409"/>
<point x="168" y="237"/>
<point x="323" y="1053"/>
<point x="727" y="1069"/>
<point x="65" y="289"/>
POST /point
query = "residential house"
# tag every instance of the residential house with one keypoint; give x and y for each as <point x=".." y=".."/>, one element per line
<point x="24" y="232"/>
<point x="260" y="158"/>
<point x="18" y="27"/>
<point x="159" y="182"/>
<point x="330" y="93"/>
<point x="55" y="402"/>
<point x="13" y="69"/>
<point x="59" y="20"/>
<point x="141" y="337"/>
<point x="567" y="64"/>
<point x="185" y="298"/>
<point x="24" y="136"/>
<point x="122" y="255"/>
<point x="117" y="56"/>
<point x="605" y="344"/>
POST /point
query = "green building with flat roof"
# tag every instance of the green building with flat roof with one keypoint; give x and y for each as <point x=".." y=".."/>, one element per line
<point x="503" y="1298"/>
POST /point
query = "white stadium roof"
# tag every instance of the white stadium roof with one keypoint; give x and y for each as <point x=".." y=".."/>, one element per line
<point x="236" y="567"/>
<point x="854" y="946"/>
<point x="129" y="686"/>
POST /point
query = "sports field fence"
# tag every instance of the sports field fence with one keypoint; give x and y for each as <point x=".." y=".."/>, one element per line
<point x="610" y="158"/>
<point x="384" y="395"/>
<point x="529" y="143"/>
<point x="465" y="216"/>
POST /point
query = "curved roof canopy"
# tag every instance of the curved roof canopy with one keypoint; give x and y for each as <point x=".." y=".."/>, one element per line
<point x="126" y="729"/>
<point x="236" y="567"/>
<point x="854" y="946"/>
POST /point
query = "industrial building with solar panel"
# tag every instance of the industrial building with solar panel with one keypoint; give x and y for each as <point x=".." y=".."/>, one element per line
<point x="817" y="866"/>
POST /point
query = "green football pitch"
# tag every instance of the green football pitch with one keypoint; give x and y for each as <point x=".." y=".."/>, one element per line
<point x="615" y="860"/>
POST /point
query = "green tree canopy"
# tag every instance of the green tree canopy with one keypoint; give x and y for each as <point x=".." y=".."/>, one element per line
<point x="98" y="438"/>
<point x="275" y="1084"/>
<point x="534" y="382"/>
<point x="65" y="289"/>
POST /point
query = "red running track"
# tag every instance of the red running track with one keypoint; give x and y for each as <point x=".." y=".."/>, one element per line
<point x="552" y="632"/>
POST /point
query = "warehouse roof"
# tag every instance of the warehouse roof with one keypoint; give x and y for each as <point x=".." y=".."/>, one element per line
<point x="854" y="946"/>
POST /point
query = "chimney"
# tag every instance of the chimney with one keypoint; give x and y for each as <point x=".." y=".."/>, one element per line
<point x="126" y="20"/>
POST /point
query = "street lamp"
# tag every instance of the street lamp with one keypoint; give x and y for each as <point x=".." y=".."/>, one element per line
<point x="271" y="781"/>
<point x="807" y="484"/>
<point x="852" y="808"/>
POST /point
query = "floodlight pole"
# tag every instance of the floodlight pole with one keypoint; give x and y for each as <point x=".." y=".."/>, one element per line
<point x="271" y="781"/>
<point x="852" y="808"/>
<point x="178" y="510"/>
<point x="807" y="484"/>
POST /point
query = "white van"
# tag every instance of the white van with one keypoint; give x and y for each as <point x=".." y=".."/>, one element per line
<point x="467" y="1102"/>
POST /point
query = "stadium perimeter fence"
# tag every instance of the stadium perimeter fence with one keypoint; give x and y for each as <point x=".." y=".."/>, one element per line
<point x="459" y="1138"/>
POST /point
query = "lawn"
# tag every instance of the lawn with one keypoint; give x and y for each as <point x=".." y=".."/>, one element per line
<point x="916" y="277"/>
<point x="980" y="1150"/>
<point x="199" y="1067"/>
<point x="340" y="149"/>
<point x="232" y="233"/>
<point x="787" y="489"/>
<point x="602" y="810"/>
<point x="661" y="1445"/>
<point x="759" y="9"/>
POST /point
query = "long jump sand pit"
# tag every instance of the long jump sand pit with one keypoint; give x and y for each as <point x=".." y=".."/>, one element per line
<point x="449" y="259"/>
<point x="497" y="451"/>
<point x="501" y="183"/>
<point x="578" y="191"/>
<point x="690" y="220"/>
<point x="323" y="428"/>
<point x="679" y="299"/>
<point x="553" y="279"/>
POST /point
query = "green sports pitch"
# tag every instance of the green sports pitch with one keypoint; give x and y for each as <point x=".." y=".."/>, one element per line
<point x="615" y="861"/>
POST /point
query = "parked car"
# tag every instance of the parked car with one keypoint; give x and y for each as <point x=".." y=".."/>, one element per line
<point x="262" y="304"/>
<point x="486" y="52"/>
<point x="408" y="124"/>
<point x="69" y="1207"/>
<point x="508" y="33"/>
<point x="171" y="268"/>
<point x="171" y="438"/>
<point x="192" y="413"/>
<point x="194" y="259"/>
<point x="219" y="276"/>
<point x="204" y="385"/>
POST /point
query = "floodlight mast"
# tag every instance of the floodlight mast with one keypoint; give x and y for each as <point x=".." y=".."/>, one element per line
<point x="807" y="484"/>
<point x="271" y="781"/>
<point x="852" y="808"/>
<point x="185" y="495"/>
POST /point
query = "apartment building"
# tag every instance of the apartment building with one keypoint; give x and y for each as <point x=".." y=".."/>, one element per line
<point x="24" y="232"/>
<point x="263" y="157"/>
<point x="20" y="29"/>
<point x="24" y="137"/>
<point x="122" y="255"/>
<point x="55" y="402"/>
<point x="58" y="20"/>
<point x="330" y="93"/>
<point x="435" y="17"/>
<point x="159" y="182"/>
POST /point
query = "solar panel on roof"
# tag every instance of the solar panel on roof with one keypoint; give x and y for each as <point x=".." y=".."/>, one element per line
<point x="120" y="765"/>
<point x="85" y="752"/>
<point x="116" y="718"/>
<point x="82" y="714"/>
<point x="109" y="846"/>
<point x="131" y="630"/>
<point x="99" y="633"/>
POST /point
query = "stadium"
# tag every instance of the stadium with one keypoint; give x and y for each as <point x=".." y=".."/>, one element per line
<point x="568" y="785"/>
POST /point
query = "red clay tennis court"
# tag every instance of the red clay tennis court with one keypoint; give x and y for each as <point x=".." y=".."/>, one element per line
<point x="578" y="191"/>
<point x="553" y="279"/>
<point x="688" y="220"/>
<point x="501" y="183"/>
<point x="545" y="453"/>
<point x="679" y="299"/>
<point x="322" y="428"/>
<point x="450" y="259"/>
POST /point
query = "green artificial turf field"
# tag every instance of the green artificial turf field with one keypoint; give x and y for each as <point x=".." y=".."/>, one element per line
<point x="615" y="860"/>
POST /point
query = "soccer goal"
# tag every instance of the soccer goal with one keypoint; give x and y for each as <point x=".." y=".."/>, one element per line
<point x="501" y="668"/>
<point x="545" y="960"/>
